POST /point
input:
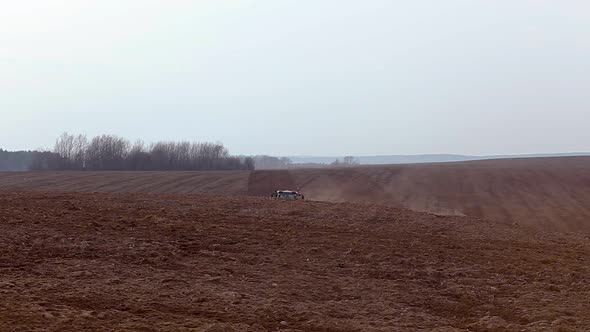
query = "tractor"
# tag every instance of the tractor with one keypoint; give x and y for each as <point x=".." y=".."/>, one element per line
<point x="287" y="194"/>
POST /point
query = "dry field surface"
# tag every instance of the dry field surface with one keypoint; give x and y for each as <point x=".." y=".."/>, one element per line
<point x="547" y="193"/>
<point x="162" y="262"/>
<point x="214" y="182"/>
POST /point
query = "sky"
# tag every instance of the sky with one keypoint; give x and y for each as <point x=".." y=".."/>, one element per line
<point x="300" y="77"/>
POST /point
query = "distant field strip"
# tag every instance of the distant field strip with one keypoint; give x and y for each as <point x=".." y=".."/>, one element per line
<point x="215" y="182"/>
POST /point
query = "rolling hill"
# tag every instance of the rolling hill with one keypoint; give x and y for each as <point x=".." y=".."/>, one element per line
<point x="546" y="193"/>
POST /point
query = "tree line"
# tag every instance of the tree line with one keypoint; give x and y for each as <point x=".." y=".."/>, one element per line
<point x="113" y="153"/>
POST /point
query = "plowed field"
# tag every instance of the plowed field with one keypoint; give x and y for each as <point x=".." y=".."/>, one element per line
<point x="544" y="193"/>
<point x="143" y="262"/>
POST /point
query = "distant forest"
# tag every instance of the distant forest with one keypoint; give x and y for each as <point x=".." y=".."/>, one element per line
<point x="112" y="153"/>
<point x="28" y="160"/>
<point x="274" y="163"/>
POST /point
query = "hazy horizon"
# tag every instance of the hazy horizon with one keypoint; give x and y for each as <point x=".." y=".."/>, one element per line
<point x="300" y="78"/>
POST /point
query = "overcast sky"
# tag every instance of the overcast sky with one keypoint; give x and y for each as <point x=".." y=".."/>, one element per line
<point x="300" y="77"/>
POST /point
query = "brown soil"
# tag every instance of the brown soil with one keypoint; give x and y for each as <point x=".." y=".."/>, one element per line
<point x="141" y="262"/>
<point x="213" y="182"/>
<point x="546" y="193"/>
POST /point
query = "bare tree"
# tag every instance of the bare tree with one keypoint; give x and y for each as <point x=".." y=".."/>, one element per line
<point x="64" y="146"/>
<point x="138" y="159"/>
<point x="78" y="157"/>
